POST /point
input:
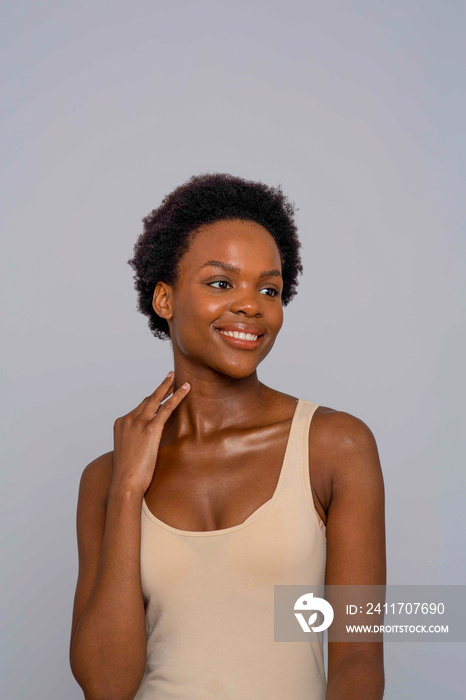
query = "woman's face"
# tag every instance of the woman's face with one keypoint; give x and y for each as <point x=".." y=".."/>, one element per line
<point x="229" y="282"/>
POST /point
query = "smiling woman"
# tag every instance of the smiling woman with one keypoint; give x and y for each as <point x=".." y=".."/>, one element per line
<point x="219" y="487"/>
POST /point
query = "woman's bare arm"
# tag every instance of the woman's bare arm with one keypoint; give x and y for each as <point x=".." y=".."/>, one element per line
<point x="108" y="642"/>
<point x="355" y="549"/>
<point x="108" y="639"/>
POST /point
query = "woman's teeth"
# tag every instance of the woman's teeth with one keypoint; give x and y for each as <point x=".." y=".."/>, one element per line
<point x="238" y="334"/>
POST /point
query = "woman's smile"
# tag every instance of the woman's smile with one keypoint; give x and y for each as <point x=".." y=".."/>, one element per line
<point x="241" y="335"/>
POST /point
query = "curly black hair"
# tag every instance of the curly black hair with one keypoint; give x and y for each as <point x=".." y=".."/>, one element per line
<point x="204" y="199"/>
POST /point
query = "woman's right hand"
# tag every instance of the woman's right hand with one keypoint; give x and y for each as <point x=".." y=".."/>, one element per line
<point x="137" y="435"/>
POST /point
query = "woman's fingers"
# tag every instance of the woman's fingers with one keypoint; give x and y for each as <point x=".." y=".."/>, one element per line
<point x="150" y="404"/>
<point x="169" y="389"/>
<point x="167" y="408"/>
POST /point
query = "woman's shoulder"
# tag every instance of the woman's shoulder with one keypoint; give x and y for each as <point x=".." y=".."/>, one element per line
<point x="340" y="427"/>
<point x="334" y="433"/>
<point x="335" y="420"/>
<point x="335" y="426"/>
<point x="97" y="476"/>
<point x="343" y="454"/>
<point x="341" y="447"/>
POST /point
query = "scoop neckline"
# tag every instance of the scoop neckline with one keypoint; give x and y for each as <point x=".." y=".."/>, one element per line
<point x="261" y="510"/>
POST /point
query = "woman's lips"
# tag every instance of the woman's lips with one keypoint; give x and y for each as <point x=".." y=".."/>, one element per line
<point x="241" y="339"/>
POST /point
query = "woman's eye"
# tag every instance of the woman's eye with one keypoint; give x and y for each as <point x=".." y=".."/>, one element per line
<point x="223" y="284"/>
<point x="219" y="282"/>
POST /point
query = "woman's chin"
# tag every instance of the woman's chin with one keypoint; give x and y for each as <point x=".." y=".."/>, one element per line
<point x="238" y="372"/>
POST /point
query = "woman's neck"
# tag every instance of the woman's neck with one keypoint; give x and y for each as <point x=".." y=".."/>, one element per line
<point x="215" y="402"/>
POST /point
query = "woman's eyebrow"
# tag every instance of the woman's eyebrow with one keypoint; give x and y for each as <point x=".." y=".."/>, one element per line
<point x="232" y="268"/>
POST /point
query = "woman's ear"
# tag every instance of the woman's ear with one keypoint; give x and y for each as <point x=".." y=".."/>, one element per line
<point x="161" y="301"/>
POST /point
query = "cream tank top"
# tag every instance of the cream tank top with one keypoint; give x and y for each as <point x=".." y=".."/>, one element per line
<point x="209" y="596"/>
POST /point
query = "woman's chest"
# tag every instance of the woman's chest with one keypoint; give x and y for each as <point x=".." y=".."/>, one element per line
<point x="281" y="546"/>
<point x="220" y="483"/>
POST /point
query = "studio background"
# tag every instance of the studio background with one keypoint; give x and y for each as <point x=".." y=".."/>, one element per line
<point x="357" y="110"/>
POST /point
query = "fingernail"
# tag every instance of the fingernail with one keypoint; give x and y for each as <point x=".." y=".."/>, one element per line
<point x="186" y="385"/>
<point x="170" y="374"/>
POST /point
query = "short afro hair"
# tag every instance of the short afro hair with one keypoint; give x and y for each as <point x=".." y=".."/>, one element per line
<point x="205" y="199"/>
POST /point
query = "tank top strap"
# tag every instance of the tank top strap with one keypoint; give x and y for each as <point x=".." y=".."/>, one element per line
<point x="297" y="453"/>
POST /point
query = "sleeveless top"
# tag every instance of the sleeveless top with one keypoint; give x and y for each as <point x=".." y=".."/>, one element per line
<point x="209" y="595"/>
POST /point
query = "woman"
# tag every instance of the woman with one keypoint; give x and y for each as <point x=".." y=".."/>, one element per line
<point x="228" y="487"/>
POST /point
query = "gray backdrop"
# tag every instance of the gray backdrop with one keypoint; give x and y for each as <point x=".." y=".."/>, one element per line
<point x="357" y="109"/>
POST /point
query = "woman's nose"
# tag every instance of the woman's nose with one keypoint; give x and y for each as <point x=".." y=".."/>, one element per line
<point x="246" y="301"/>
